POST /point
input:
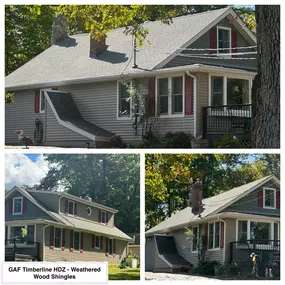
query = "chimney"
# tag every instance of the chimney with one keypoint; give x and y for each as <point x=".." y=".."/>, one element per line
<point x="195" y="198"/>
<point x="97" y="45"/>
<point x="59" y="32"/>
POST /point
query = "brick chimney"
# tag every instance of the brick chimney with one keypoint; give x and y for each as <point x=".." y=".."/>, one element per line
<point x="97" y="45"/>
<point x="59" y="31"/>
<point x="195" y="198"/>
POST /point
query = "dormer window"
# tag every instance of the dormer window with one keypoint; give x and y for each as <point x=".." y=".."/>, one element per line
<point x="224" y="40"/>
<point x="103" y="217"/>
<point x="17" y="206"/>
<point x="70" y="207"/>
<point x="269" y="201"/>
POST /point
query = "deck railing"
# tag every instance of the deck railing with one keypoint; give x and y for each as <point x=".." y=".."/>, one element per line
<point x="231" y="119"/>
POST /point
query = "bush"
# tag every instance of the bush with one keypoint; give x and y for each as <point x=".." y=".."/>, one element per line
<point x="123" y="264"/>
<point x="205" y="268"/>
<point x="227" y="141"/>
<point x="231" y="269"/>
<point x="177" y="140"/>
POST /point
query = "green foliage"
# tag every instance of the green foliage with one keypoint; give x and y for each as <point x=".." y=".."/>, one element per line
<point x="177" y="140"/>
<point x="9" y="98"/>
<point x="109" y="179"/>
<point x="227" y="141"/>
<point x="205" y="268"/>
<point x="228" y="269"/>
<point x="116" y="273"/>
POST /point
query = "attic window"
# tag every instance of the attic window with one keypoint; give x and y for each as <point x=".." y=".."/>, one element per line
<point x="70" y="208"/>
<point x="224" y="40"/>
<point x="103" y="217"/>
<point x="17" y="206"/>
<point x="269" y="200"/>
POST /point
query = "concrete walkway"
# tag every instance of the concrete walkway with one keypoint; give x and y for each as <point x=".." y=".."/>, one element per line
<point x="174" y="277"/>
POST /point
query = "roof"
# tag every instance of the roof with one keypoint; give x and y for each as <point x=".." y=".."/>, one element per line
<point x="212" y="206"/>
<point x="135" y="238"/>
<point x="69" y="60"/>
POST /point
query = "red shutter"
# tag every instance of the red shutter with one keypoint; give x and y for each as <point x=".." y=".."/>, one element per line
<point x="99" y="216"/>
<point x="260" y="198"/>
<point x="188" y="95"/>
<point x="66" y="206"/>
<point x="71" y="239"/>
<point x="213" y="39"/>
<point x="222" y="235"/>
<point x="63" y="238"/>
<point x="101" y="242"/>
<point x="234" y="42"/>
<point x="151" y="96"/>
<point x="93" y="241"/>
<point x="114" y="246"/>
<point x="75" y="209"/>
<point x="24" y="205"/>
<point x="206" y="236"/>
<point x="278" y="199"/>
<point x="81" y="240"/>
<point x="51" y="234"/>
<point x="10" y="206"/>
<point x="37" y="101"/>
<point x="107" y="244"/>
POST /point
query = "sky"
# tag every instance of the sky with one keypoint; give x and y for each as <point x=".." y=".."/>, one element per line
<point x="26" y="169"/>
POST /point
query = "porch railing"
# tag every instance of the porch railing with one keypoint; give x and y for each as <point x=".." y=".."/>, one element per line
<point x="21" y="247"/>
<point x="222" y="119"/>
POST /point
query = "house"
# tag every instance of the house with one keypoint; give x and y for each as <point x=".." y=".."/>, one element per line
<point x="195" y="77"/>
<point x="134" y="245"/>
<point x="233" y="225"/>
<point x="60" y="227"/>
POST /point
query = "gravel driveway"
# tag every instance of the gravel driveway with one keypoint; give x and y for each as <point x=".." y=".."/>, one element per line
<point x="174" y="277"/>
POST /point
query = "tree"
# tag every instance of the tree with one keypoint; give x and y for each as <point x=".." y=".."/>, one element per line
<point x="109" y="179"/>
<point x="266" y="85"/>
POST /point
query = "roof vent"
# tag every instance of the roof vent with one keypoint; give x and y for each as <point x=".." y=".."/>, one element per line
<point x="97" y="45"/>
<point x="59" y="31"/>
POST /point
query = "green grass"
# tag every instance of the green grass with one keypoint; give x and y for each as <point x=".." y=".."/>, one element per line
<point x="115" y="273"/>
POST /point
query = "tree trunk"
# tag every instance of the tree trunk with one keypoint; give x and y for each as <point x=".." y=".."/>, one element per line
<point x="266" y="85"/>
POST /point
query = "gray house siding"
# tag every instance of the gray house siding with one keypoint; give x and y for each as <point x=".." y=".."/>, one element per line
<point x="33" y="212"/>
<point x="49" y="200"/>
<point x="150" y="253"/>
<point x="249" y="205"/>
<point x="20" y="115"/>
<point x="230" y="235"/>
<point x="204" y="42"/>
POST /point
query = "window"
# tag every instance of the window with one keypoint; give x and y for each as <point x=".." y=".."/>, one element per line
<point x="170" y="95"/>
<point x="110" y="245"/>
<point x="97" y="242"/>
<point x="269" y="200"/>
<point x="70" y="207"/>
<point x="42" y="101"/>
<point x="30" y="238"/>
<point x="17" y="206"/>
<point x="237" y="91"/>
<point x="195" y="231"/>
<point x="124" y="99"/>
<point x="16" y="232"/>
<point x="57" y="237"/>
<point x="103" y="217"/>
<point x="89" y="211"/>
<point x="242" y="231"/>
<point x="261" y="232"/>
<point x="224" y="40"/>
<point x="76" y="240"/>
<point x="214" y="235"/>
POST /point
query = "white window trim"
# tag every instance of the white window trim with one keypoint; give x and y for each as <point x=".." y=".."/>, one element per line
<point x="22" y="204"/>
<point x="118" y="101"/>
<point x="60" y="238"/>
<point x="99" y="242"/>
<point x="268" y="207"/>
<point x="70" y="201"/>
<point x="90" y="211"/>
<point x="75" y="250"/>
<point x="195" y="251"/>
<point x="170" y="115"/>
<point x="42" y="92"/>
<point x="9" y="244"/>
<point x="225" y="79"/>
<point x="214" y="236"/>
<point x="230" y="41"/>
<point x="105" y="218"/>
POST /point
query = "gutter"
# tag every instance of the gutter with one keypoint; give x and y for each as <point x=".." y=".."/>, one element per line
<point x="194" y="100"/>
<point x="136" y="74"/>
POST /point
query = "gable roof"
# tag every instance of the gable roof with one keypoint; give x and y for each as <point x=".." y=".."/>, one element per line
<point x="69" y="61"/>
<point x="212" y="206"/>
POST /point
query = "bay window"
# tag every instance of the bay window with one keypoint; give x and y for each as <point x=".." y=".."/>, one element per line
<point x="170" y="95"/>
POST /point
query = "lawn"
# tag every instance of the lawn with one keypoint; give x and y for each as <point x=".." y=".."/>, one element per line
<point x="115" y="273"/>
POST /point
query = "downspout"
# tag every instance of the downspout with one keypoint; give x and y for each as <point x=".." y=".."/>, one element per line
<point x="44" y="240"/>
<point x="194" y="100"/>
<point x="225" y="227"/>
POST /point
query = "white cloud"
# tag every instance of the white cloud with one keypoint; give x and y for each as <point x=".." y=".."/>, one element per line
<point x="19" y="170"/>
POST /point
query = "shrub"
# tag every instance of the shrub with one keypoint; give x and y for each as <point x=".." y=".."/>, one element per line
<point x="205" y="268"/>
<point x="227" y="141"/>
<point x="231" y="269"/>
<point x="123" y="264"/>
<point x="177" y="140"/>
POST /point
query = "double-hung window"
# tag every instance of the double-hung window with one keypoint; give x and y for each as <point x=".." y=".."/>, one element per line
<point x="57" y="237"/>
<point x="195" y="239"/>
<point x="70" y="207"/>
<point x="170" y="95"/>
<point x="124" y="100"/>
<point x="17" y="206"/>
<point x="269" y="200"/>
<point x="97" y="242"/>
<point x="110" y="245"/>
<point x="214" y="235"/>
<point x="76" y="240"/>
<point x="103" y="217"/>
<point x="224" y="40"/>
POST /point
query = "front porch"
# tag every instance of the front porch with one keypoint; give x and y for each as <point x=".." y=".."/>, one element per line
<point x="227" y="119"/>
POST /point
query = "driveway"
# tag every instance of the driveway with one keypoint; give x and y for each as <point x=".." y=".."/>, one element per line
<point x="174" y="277"/>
